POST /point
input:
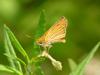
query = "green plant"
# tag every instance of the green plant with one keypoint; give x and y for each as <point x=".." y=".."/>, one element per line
<point x="18" y="66"/>
<point x="79" y="69"/>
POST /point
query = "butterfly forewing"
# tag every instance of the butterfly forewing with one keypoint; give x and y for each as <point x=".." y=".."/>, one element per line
<point x="57" y="32"/>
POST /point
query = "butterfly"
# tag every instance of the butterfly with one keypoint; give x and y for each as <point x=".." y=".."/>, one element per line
<point x="55" y="34"/>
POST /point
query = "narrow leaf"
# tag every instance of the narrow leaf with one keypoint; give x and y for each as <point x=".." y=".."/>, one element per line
<point x="11" y="51"/>
<point x="41" y="27"/>
<point x="7" y="50"/>
<point x="15" y="58"/>
<point x="82" y="65"/>
<point x="16" y="43"/>
<point x="40" y="30"/>
<point x="15" y="71"/>
<point x="72" y="64"/>
<point x="4" y="68"/>
<point x="10" y="70"/>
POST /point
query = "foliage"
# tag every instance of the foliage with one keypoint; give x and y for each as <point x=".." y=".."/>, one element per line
<point x="81" y="67"/>
<point x="15" y="63"/>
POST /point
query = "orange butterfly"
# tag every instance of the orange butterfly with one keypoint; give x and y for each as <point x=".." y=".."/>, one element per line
<point x="55" y="34"/>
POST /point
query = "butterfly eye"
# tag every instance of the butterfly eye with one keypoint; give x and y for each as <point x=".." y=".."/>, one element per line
<point x="40" y="43"/>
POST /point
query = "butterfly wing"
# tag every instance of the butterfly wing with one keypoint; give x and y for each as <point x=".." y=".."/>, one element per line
<point x="57" y="32"/>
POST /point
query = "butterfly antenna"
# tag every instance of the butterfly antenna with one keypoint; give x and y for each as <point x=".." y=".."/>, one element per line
<point x="28" y="36"/>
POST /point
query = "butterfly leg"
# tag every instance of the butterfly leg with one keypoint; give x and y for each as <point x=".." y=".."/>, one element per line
<point x="48" y="48"/>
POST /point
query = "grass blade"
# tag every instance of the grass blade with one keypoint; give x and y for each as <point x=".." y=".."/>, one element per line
<point x="82" y="65"/>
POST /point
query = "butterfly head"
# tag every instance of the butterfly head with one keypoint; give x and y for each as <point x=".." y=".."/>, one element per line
<point x="40" y="42"/>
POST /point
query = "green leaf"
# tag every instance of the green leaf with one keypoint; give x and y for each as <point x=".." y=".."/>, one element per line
<point x="80" y="69"/>
<point x="40" y="30"/>
<point x="16" y="43"/>
<point x="4" y="68"/>
<point x="7" y="50"/>
<point x="15" y="58"/>
<point x="72" y="64"/>
<point x="38" y="69"/>
<point x="10" y="50"/>
<point x="9" y="70"/>
<point x="15" y="71"/>
<point x="41" y="27"/>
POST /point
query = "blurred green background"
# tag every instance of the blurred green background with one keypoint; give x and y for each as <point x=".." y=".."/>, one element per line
<point x="83" y="31"/>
